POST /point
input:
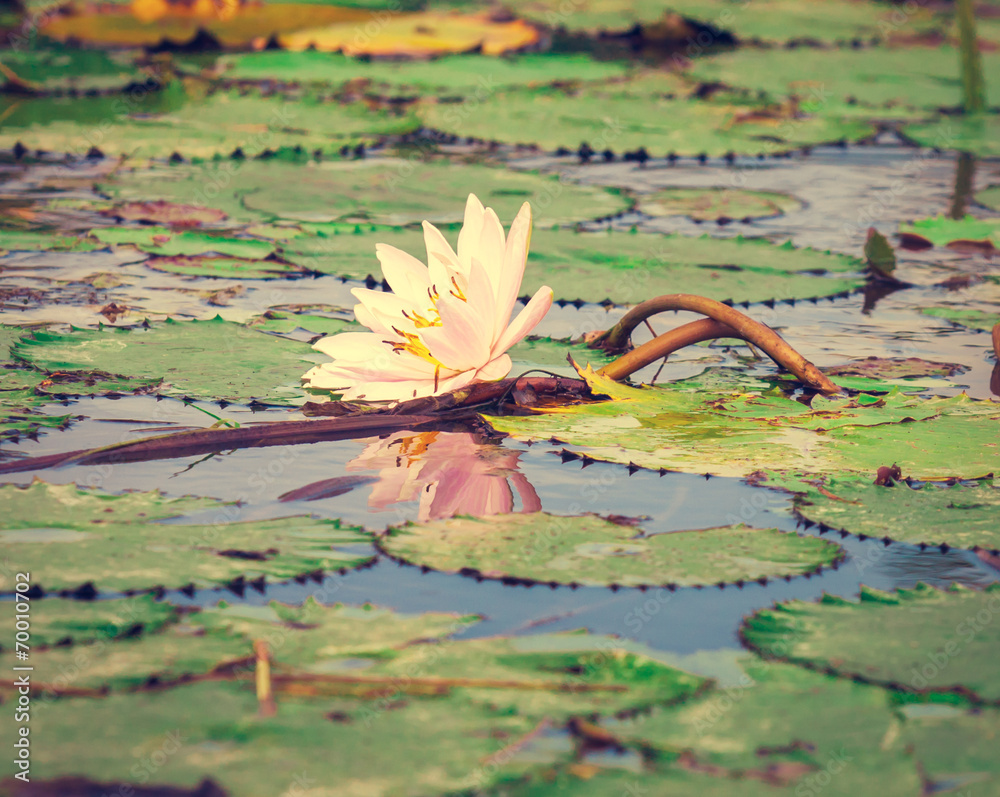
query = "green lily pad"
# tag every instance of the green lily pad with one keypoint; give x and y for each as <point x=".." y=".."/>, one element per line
<point x="989" y="197"/>
<point x="974" y="307"/>
<point x="710" y="204"/>
<point x="281" y="322"/>
<point x="67" y="537"/>
<point x="978" y="135"/>
<point x="60" y="623"/>
<point x="385" y="191"/>
<point x="812" y="732"/>
<point x="83" y="70"/>
<point x="166" y="122"/>
<point x="621" y="266"/>
<point x="592" y="551"/>
<point x="732" y="429"/>
<point x="922" y="640"/>
<point x="958" y="748"/>
<point x="959" y="516"/>
<point x="456" y="74"/>
<point x="20" y="402"/>
<point x="942" y="231"/>
<point x="165" y="242"/>
<point x="553" y="119"/>
<point x="917" y="78"/>
<point x="311" y="639"/>
<point x="33" y="241"/>
<point x="212" y="359"/>
<point x="549" y="354"/>
<point x="224" y="267"/>
<point x="94" y="383"/>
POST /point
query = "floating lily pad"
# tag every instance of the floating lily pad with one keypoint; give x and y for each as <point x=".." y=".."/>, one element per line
<point x="711" y="204"/>
<point x="553" y="119"/>
<point x="20" y="403"/>
<point x="957" y="747"/>
<point x="421" y="35"/>
<point x="942" y="231"/>
<point x="979" y="135"/>
<point x="164" y="241"/>
<point x="160" y="212"/>
<point x="785" y="726"/>
<point x="623" y="267"/>
<point x="93" y="383"/>
<point x="922" y="639"/>
<point x="67" y="537"/>
<point x="123" y="28"/>
<point x="974" y="307"/>
<point x="592" y="551"/>
<point x="45" y="70"/>
<point x="919" y="78"/>
<point x="221" y="123"/>
<point x="459" y="74"/>
<point x="989" y="197"/>
<point x="64" y="622"/>
<point x="212" y="359"/>
<point x="281" y="322"/>
<point x="224" y="267"/>
<point x="737" y="430"/>
<point x="384" y="191"/>
<point x="959" y="516"/>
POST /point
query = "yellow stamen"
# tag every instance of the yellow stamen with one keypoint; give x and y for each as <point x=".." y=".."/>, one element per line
<point x="457" y="293"/>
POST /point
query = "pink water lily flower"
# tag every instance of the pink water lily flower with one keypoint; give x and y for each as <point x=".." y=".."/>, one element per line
<point x="446" y="324"/>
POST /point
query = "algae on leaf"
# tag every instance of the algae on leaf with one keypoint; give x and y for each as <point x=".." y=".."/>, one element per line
<point x="210" y="360"/>
<point x="922" y="640"/>
<point x="67" y="537"/>
<point x="593" y="551"/>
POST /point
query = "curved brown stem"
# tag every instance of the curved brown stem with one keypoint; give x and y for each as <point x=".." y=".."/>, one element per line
<point x="667" y="343"/>
<point x="762" y="336"/>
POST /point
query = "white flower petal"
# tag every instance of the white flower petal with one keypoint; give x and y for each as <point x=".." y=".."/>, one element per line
<point x="442" y="261"/>
<point x="514" y="259"/>
<point x="406" y="275"/>
<point x="526" y="320"/>
<point x="351" y="346"/>
<point x="472" y="228"/>
<point x="495" y="369"/>
<point x="491" y="248"/>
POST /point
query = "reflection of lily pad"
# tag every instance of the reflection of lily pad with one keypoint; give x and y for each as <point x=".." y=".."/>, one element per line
<point x="709" y="204"/>
<point x="386" y="191"/>
<point x="212" y="359"/>
<point x="923" y="78"/>
<point x="921" y="639"/>
<point x="125" y="549"/>
<point x="737" y="430"/>
<point x="960" y="516"/>
<point x="623" y="267"/>
<point x="553" y="119"/>
<point x="461" y="74"/>
<point x="975" y="307"/>
<point x="593" y="551"/>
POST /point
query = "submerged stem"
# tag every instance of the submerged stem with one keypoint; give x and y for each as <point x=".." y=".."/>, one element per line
<point x="728" y="323"/>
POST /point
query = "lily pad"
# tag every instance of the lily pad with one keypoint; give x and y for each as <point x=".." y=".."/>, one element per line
<point x="159" y="212"/>
<point x="383" y="191"/>
<point x="67" y="537"/>
<point x="921" y="79"/>
<point x="593" y="551"/>
<point x="212" y="359"/>
<point x="553" y="119"/>
<point x="93" y="383"/>
<point x="989" y="197"/>
<point x="957" y="748"/>
<point x="282" y="322"/>
<point x="623" y="267"/>
<point x="166" y="242"/>
<point x="959" y="516"/>
<point x="218" y="124"/>
<point x="978" y="135"/>
<point x="894" y="368"/>
<point x="19" y="405"/>
<point x="421" y="35"/>
<point x="59" y="623"/>
<point x="942" y="231"/>
<point x="922" y="639"/>
<point x="224" y="267"/>
<point x="712" y="204"/>
<point x="737" y="430"/>
<point x="458" y="74"/>
<point x="48" y="70"/>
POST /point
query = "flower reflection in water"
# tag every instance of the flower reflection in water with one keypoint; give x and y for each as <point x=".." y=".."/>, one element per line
<point x="449" y="473"/>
